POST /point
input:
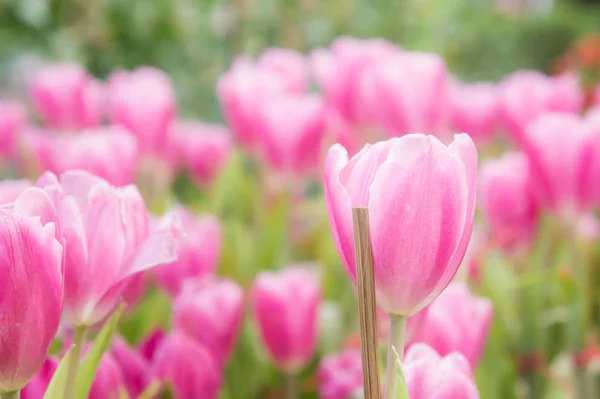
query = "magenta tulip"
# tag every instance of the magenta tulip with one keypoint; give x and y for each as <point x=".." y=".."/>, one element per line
<point x="12" y="120"/>
<point x="285" y="306"/>
<point x="210" y="311"/>
<point x="204" y="149"/>
<point x="429" y="376"/>
<point x="32" y="269"/>
<point x="67" y="97"/>
<point x="143" y="101"/>
<point x="241" y="92"/>
<point x="150" y="343"/>
<point x="339" y="72"/>
<point x="506" y="199"/>
<point x="408" y="93"/>
<point x="292" y="129"/>
<point x="135" y="369"/>
<point x="187" y="366"/>
<point x="198" y="251"/>
<point x="340" y="375"/>
<point x="36" y="388"/>
<point x="476" y="109"/>
<point x="106" y="231"/>
<point x="457" y="321"/>
<point x="527" y="95"/>
<point x="107" y="152"/>
<point x="421" y="199"/>
<point x="290" y="65"/>
<point x="108" y="381"/>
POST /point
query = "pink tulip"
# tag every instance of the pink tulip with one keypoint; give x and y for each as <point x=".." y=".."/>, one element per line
<point x="135" y="369"/>
<point x="285" y="306"/>
<point x="67" y="97"/>
<point x="12" y="120"/>
<point x="150" y="343"/>
<point x="561" y="152"/>
<point x="108" y="152"/>
<point x="421" y="199"/>
<point x="340" y="70"/>
<point x="143" y="101"/>
<point x="32" y="272"/>
<point x="408" y="93"/>
<point x="476" y="109"/>
<point x="188" y="367"/>
<point x="290" y="65"/>
<point x="134" y="290"/>
<point x="204" y="149"/>
<point x="108" y="381"/>
<point x="429" y="376"/>
<point x="293" y="128"/>
<point x="241" y="91"/>
<point x="210" y="311"/>
<point x="527" y="95"/>
<point x="10" y="190"/>
<point x="340" y="375"/>
<point x="506" y="198"/>
<point x="106" y="231"/>
<point x="198" y="251"/>
<point x="36" y="151"/>
<point x="457" y="321"/>
<point x="36" y="388"/>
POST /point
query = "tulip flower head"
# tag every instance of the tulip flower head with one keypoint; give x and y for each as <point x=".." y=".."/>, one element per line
<point x="340" y="375"/>
<point x="421" y="200"/>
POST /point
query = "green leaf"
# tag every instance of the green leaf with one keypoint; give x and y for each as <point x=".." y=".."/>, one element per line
<point x="56" y="387"/>
<point x="89" y="365"/>
<point x="401" y="390"/>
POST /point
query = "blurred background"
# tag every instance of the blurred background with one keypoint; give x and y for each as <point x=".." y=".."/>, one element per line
<point x="196" y="40"/>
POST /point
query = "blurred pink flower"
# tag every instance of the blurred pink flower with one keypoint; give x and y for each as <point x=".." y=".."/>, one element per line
<point x="187" y="366"/>
<point x="506" y="199"/>
<point x="285" y="306"/>
<point x="12" y="120"/>
<point x="292" y="129"/>
<point x="339" y="72"/>
<point x="429" y="376"/>
<point x="340" y="375"/>
<point x="135" y="369"/>
<point x="527" y="95"/>
<point x="36" y="388"/>
<point x="108" y="380"/>
<point x="150" y="343"/>
<point x="289" y="64"/>
<point x="203" y="148"/>
<point x="457" y="321"/>
<point x="10" y="190"/>
<point x="421" y="198"/>
<point x="143" y="101"/>
<point x="198" y="251"/>
<point x="67" y="97"/>
<point x="475" y="109"/>
<point x="210" y="310"/>
<point x="106" y="231"/>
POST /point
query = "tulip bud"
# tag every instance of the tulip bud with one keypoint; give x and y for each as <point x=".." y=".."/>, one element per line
<point x="109" y="240"/>
<point x="32" y="269"/>
<point x="67" y="97"/>
<point x="429" y="376"/>
<point x="285" y="306"/>
<point x="187" y="366"/>
<point x="198" y="251"/>
<point x="340" y="375"/>
<point x="421" y="200"/>
<point x="457" y="321"/>
<point x="210" y="311"/>
<point x="290" y="65"/>
<point x="475" y="109"/>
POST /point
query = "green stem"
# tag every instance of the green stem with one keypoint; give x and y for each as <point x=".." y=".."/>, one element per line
<point x="291" y="387"/>
<point x="395" y="345"/>
<point x="11" y="395"/>
<point x="78" y="342"/>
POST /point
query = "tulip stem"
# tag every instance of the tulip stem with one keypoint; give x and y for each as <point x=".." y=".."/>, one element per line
<point x="11" y="395"/>
<point x="78" y="341"/>
<point x="395" y="346"/>
<point x="291" y="387"/>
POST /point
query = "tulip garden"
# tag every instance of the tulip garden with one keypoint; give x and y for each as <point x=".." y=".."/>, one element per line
<point x="150" y="254"/>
